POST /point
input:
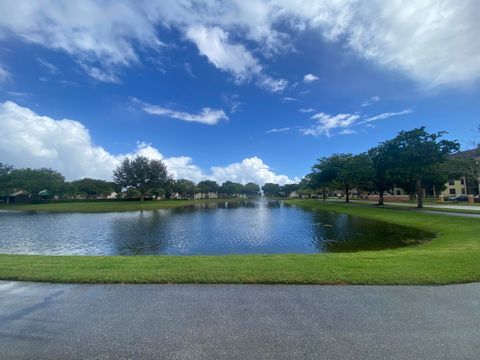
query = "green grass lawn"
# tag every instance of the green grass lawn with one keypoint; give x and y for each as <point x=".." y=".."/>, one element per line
<point x="104" y="206"/>
<point x="452" y="257"/>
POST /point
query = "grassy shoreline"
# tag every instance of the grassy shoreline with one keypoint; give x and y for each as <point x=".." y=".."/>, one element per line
<point x="452" y="257"/>
<point x="107" y="206"/>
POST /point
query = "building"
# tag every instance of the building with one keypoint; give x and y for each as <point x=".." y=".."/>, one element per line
<point x="456" y="187"/>
<point x="210" y="195"/>
<point x="466" y="184"/>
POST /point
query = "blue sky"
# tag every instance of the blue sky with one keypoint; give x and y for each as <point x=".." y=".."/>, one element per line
<point x="243" y="91"/>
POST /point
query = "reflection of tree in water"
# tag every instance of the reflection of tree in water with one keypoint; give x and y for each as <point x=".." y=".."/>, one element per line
<point x="140" y="233"/>
<point x="224" y="204"/>
<point x="273" y="204"/>
<point x="343" y="233"/>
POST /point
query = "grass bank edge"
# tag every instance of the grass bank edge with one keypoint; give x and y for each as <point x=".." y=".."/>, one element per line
<point x="108" y="206"/>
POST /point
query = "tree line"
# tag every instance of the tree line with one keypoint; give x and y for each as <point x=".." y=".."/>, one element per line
<point x="134" y="178"/>
<point x="414" y="160"/>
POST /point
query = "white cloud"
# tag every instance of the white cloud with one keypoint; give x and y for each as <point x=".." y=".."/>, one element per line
<point x="206" y="116"/>
<point x="385" y="116"/>
<point x="32" y="140"/>
<point x="4" y="74"/>
<point x="214" y="44"/>
<point x="235" y="59"/>
<point x="434" y="42"/>
<point x="348" y="132"/>
<point x="325" y="123"/>
<point x="306" y="110"/>
<point x="249" y="170"/>
<point x="19" y="94"/>
<point x="233" y="102"/>
<point x="52" y="69"/>
<point x="275" y="130"/>
<point x="93" y="32"/>
<point x="309" y="78"/>
<point x="188" y="69"/>
<point x="102" y="75"/>
<point x="271" y="84"/>
<point x="288" y="98"/>
<point x="371" y="101"/>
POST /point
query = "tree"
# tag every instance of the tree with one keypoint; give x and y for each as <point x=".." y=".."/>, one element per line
<point x="381" y="159"/>
<point x="185" y="188"/>
<point x="319" y="180"/>
<point x="418" y="157"/>
<point x="346" y="170"/>
<point x="142" y="174"/>
<point x="5" y="170"/>
<point x="93" y="187"/>
<point x="208" y="186"/>
<point x="230" y="188"/>
<point x="287" y="189"/>
<point x="251" y="189"/>
<point x="35" y="180"/>
<point x="271" y="190"/>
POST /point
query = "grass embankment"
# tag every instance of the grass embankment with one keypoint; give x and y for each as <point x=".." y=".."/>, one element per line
<point x="106" y="206"/>
<point x="452" y="257"/>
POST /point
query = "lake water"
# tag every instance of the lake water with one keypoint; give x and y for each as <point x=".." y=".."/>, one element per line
<point x="244" y="227"/>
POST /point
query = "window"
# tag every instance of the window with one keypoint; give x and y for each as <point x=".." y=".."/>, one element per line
<point x="453" y="192"/>
<point x="451" y="182"/>
<point x="462" y="181"/>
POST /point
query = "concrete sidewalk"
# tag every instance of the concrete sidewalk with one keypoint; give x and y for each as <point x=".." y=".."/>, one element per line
<point x="48" y="321"/>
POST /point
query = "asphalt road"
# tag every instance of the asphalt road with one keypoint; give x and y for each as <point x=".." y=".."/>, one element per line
<point x="47" y="321"/>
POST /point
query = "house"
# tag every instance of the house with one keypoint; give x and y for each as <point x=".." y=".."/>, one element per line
<point x="294" y="194"/>
<point x="18" y="197"/>
<point x="456" y="187"/>
<point x="464" y="185"/>
<point x="210" y="195"/>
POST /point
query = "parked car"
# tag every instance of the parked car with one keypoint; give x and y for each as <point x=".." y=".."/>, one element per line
<point x="459" y="198"/>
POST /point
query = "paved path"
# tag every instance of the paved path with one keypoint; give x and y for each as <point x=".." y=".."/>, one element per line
<point x="428" y="209"/>
<point x="46" y="321"/>
<point x="436" y="206"/>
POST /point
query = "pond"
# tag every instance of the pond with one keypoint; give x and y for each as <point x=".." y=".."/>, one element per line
<point x="215" y="228"/>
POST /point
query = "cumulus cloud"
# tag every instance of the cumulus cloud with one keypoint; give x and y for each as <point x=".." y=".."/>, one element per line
<point x="325" y="123"/>
<point x="309" y="78"/>
<point x="249" y="170"/>
<point x="206" y="116"/>
<point x="32" y="140"/>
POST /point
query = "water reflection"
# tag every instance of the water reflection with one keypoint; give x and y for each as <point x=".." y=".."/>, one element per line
<point x="214" y="228"/>
<point x="334" y="232"/>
